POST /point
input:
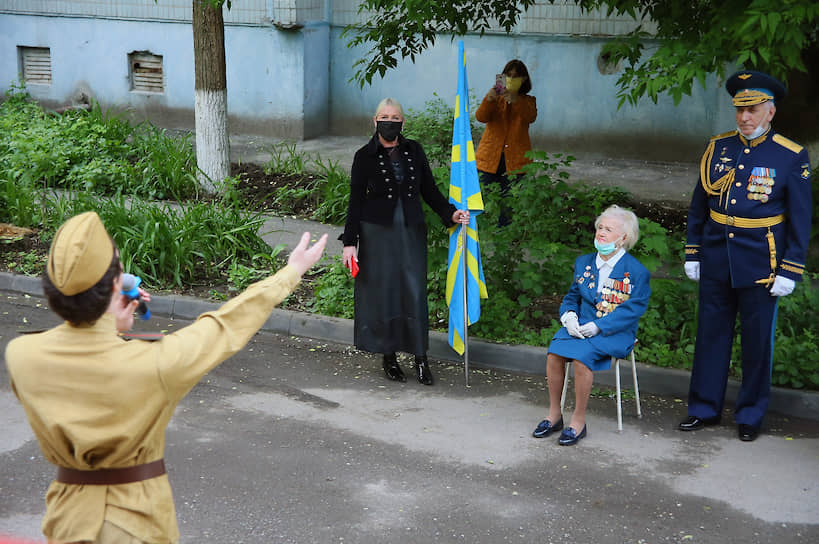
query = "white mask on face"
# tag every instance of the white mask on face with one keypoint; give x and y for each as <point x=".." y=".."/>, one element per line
<point x="758" y="131"/>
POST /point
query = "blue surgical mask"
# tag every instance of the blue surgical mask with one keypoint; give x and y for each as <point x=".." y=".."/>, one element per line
<point x="604" y="249"/>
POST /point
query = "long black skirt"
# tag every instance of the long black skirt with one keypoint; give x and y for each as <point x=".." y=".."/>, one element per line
<point x="391" y="311"/>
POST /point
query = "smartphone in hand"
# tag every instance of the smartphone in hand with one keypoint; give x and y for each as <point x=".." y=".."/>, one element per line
<point x="500" y="83"/>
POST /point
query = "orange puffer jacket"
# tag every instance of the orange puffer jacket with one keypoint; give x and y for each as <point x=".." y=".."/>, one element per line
<point x="507" y="131"/>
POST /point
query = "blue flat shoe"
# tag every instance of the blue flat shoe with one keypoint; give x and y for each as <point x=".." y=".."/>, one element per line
<point x="545" y="428"/>
<point x="569" y="437"/>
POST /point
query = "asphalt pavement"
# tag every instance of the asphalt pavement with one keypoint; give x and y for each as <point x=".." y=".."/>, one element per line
<point x="300" y="440"/>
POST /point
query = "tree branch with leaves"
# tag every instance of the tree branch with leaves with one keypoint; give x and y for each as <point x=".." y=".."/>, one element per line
<point x="693" y="38"/>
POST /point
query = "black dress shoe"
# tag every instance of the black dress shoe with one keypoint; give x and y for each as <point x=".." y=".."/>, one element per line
<point x="546" y="427"/>
<point x="747" y="433"/>
<point x="422" y="370"/>
<point x="694" y="423"/>
<point x="570" y="437"/>
<point x="391" y="368"/>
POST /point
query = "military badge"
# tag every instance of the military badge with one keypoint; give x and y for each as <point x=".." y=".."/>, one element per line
<point x="805" y="171"/>
<point x="760" y="183"/>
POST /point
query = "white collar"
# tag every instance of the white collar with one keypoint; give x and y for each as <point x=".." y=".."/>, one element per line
<point x="611" y="261"/>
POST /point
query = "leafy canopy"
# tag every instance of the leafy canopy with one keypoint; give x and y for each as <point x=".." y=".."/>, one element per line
<point x="693" y="38"/>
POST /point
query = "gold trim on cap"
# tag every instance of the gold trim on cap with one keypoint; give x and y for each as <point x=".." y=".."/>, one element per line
<point x="750" y="97"/>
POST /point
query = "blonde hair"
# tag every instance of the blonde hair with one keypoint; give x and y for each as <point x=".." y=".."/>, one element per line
<point x="629" y="223"/>
<point x="389" y="102"/>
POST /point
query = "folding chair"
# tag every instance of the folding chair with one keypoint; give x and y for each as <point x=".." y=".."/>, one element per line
<point x="616" y="363"/>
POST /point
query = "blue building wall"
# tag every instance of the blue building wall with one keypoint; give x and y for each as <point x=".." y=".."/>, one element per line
<point x="295" y="82"/>
<point x="266" y="70"/>
<point x="577" y="105"/>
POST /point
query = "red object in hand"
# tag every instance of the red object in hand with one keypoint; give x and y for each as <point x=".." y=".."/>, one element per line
<point x="353" y="267"/>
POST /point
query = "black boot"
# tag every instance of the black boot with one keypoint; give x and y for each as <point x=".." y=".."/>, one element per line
<point x="391" y="368"/>
<point x="422" y="370"/>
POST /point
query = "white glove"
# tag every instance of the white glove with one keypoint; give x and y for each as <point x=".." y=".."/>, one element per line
<point x="589" y="329"/>
<point x="569" y="320"/>
<point x="692" y="270"/>
<point x="782" y="286"/>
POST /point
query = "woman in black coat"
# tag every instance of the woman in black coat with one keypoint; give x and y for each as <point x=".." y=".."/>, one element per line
<point x="385" y="233"/>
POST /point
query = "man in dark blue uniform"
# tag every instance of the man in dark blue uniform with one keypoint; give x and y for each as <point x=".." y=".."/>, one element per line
<point x="748" y="229"/>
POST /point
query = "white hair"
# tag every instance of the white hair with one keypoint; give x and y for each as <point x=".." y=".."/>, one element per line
<point x="389" y="102"/>
<point x="629" y="225"/>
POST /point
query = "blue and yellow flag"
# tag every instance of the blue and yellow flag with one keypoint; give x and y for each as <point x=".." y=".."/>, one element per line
<point x="464" y="193"/>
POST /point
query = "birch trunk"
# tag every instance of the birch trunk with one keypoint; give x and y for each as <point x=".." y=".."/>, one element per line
<point x="210" y="109"/>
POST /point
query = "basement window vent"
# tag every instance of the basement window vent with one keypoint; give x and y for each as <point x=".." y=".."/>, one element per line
<point x="146" y="72"/>
<point x="35" y="65"/>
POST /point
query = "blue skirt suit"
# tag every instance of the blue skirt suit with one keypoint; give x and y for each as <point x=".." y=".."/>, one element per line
<point x="616" y="310"/>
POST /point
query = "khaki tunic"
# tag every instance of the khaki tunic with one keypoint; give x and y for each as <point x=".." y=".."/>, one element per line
<point x="97" y="401"/>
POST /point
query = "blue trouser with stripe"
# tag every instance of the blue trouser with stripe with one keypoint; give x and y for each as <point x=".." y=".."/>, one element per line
<point x="719" y="304"/>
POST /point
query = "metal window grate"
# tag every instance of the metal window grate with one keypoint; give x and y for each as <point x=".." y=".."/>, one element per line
<point x="146" y="72"/>
<point x="35" y="65"/>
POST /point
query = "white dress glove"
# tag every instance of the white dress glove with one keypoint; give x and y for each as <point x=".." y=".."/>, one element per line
<point x="569" y="320"/>
<point x="782" y="286"/>
<point x="589" y="329"/>
<point x="692" y="270"/>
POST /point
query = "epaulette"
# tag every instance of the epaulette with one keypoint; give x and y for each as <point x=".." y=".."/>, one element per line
<point x="787" y="144"/>
<point x="724" y="135"/>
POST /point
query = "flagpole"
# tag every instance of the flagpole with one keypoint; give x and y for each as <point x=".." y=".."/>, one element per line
<point x="466" y="310"/>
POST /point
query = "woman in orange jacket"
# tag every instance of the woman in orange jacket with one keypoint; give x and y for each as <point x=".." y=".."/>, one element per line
<point x="508" y="110"/>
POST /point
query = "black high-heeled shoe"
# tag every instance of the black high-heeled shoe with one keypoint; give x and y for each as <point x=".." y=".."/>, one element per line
<point x="422" y="370"/>
<point x="391" y="368"/>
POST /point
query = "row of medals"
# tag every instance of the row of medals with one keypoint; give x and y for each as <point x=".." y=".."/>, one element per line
<point x="759" y="188"/>
<point x="614" y="293"/>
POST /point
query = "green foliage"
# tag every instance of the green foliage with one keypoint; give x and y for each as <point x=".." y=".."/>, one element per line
<point x="434" y="125"/>
<point x="692" y="40"/>
<point x="92" y="151"/>
<point x="334" y="192"/>
<point x="399" y="29"/>
<point x="334" y="290"/>
<point x="28" y="263"/>
<point x="317" y="186"/>
<point x="668" y="329"/>
<point x="284" y="157"/>
<point x="795" y="363"/>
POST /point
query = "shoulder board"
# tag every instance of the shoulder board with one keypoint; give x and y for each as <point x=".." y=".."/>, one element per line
<point x="724" y="135"/>
<point x="788" y="144"/>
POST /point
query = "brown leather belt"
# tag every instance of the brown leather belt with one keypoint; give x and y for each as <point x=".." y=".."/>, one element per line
<point x="111" y="476"/>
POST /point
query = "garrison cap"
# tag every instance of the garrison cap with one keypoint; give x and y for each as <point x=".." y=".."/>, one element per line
<point x="80" y="254"/>
<point x="749" y="88"/>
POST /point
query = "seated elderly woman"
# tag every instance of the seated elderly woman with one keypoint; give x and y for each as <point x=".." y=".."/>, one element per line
<point x="599" y="314"/>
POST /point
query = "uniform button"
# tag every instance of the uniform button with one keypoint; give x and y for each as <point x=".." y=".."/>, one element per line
<point x="742" y="167"/>
<point x="383" y="171"/>
<point x="739" y="184"/>
<point x="411" y="168"/>
<point x="733" y="201"/>
<point x="730" y="235"/>
<point x="390" y="196"/>
<point x="747" y="150"/>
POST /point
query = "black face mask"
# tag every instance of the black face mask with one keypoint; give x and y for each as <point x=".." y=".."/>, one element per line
<point x="389" y="130"/>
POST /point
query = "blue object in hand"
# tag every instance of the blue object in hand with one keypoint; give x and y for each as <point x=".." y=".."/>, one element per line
<point x="130" y="288"/>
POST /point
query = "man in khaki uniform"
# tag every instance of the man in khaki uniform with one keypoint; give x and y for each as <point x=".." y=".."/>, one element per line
<point x="99" y="405"/>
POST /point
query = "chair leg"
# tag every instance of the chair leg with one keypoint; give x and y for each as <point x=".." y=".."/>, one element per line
<point x="619" y="398"/>
<point x="565" y="385"/>
<point x="636" y="387"/>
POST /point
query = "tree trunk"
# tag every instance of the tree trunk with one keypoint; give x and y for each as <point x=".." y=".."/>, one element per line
<point x="210" y="110"/>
